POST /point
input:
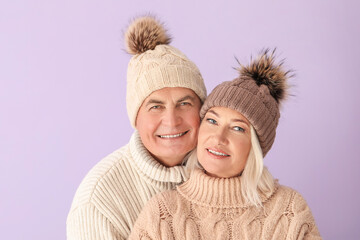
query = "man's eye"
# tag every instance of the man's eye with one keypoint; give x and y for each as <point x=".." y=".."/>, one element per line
<point x="240" y="129"/>
<point x="185" y="103"/>
<point x="210" y="120"/>
<point x="155" y="107"/>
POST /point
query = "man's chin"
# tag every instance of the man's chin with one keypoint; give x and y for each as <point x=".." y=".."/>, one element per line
<point x="173" y="155"/>
<point x="180" y="142"/>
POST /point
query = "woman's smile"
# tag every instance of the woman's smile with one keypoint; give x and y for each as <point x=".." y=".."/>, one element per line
<point x="217" y="153"/>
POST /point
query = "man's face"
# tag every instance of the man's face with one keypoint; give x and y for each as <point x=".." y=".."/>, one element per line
<point x="168" y="122"/>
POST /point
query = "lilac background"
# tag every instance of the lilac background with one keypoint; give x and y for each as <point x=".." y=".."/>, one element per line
<point x="62" y="97"/>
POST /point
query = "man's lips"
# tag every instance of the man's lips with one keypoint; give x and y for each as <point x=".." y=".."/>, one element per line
<point x="169" y="136"/>
<point x="217" y="152"/>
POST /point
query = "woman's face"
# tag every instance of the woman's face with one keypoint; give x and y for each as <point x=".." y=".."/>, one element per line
<point x="224" y="142"/>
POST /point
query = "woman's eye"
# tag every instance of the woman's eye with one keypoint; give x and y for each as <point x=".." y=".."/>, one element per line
<point x="240" y="129"/>
<point x="210" y="120"/>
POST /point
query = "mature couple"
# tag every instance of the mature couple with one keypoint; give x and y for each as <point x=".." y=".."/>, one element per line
<point x="221" y="190"/>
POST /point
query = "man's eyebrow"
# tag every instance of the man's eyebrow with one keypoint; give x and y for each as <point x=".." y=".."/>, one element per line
<point x="153" y="101"/>
<point x="187" y="97"/>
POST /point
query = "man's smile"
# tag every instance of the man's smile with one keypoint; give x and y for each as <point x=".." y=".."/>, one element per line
<point x="173" y="135"/>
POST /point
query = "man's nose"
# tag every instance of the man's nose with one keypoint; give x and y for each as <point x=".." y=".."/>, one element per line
<point x="172" y="118"/>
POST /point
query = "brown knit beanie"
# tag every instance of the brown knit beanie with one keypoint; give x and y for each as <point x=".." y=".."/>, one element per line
<point x="256" y="94"/>
<point x="156" y="65"/>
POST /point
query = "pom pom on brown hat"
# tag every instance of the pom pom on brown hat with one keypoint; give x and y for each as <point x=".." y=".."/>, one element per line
<point x="256" y="93"/>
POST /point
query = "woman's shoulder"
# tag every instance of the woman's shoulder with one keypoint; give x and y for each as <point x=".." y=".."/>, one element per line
<point x="291" y="197"/>
<point x="165" y="201"/>
<point x="167" y="195"/>
<point x="285" y="190"/>
<point x="289" y="192"/>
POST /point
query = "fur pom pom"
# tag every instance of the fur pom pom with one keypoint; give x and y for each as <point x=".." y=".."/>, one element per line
<point x="145" y="33"/>
<point x="264" y="70"/>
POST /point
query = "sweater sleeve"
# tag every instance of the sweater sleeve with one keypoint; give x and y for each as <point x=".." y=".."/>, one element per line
<point x="303" y="224"/>
<point x="88" y="223"/>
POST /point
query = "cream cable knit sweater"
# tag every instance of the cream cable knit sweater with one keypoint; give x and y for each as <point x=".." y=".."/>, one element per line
<point x="212" y="208"/>
<point x="113" y="193"/>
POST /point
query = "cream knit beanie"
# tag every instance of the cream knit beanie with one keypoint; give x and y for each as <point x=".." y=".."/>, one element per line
<point x="156" y="65"/>
<point x="256" y="94"/>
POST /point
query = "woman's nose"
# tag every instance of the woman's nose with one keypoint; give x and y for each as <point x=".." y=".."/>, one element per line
<point x="221" y="136"/>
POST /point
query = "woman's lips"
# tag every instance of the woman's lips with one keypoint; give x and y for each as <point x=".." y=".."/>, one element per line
<point x="217" y="153"/>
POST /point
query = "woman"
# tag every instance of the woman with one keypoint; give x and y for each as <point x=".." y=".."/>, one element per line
<point x="230" y="194"/>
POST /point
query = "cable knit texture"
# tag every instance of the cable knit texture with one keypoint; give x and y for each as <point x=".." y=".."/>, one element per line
<point x="111" y="196"/>
<point x="212" y="208"/>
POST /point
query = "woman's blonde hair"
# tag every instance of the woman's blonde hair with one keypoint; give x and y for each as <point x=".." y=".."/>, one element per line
<point x="255" y="178"/>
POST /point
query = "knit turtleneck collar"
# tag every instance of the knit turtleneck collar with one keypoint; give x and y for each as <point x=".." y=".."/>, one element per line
<point x="214" y="192"/>
<point x="150" y="167"/>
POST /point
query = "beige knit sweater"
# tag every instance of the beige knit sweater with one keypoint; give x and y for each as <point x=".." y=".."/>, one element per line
<point x="212" y="208"/>
<point x="113" y="193"/>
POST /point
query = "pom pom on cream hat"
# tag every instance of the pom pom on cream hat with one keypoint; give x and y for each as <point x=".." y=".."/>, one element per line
<point x="156" y="65"/>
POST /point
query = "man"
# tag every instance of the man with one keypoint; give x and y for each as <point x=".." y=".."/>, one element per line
<point x="165" y="91"/>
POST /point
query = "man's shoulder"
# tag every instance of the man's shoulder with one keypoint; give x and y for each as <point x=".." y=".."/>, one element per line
<point x="109" y="192"/>
<point x="103" y="172"/>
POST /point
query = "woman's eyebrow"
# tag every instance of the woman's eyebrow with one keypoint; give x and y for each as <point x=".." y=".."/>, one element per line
<point x="213" y="112"/>
<point x="239" y="120"/>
